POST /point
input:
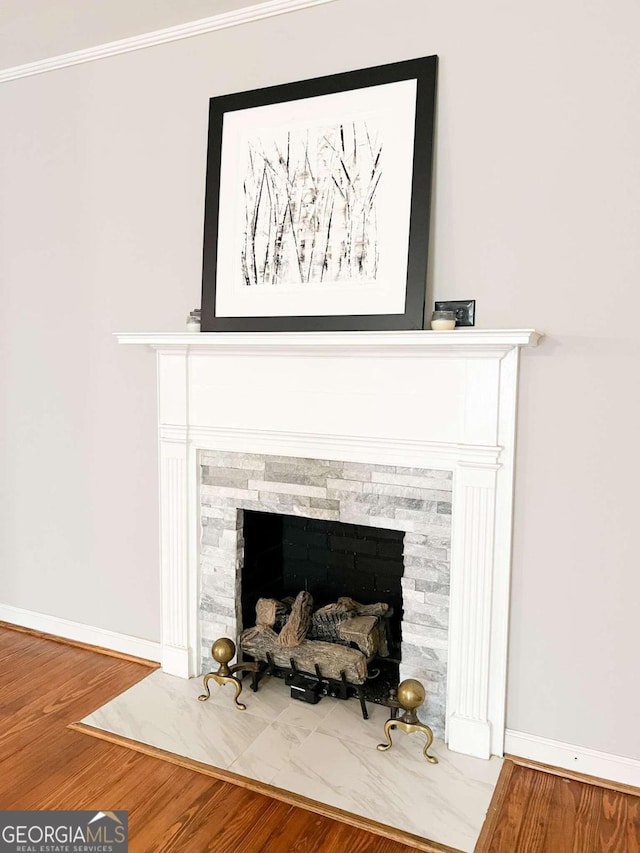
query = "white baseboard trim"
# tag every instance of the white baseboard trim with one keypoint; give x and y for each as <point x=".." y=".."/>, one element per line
<point x="604" y="765"/>
<point x="80" y="633"/>
<point x="255" y="12"/>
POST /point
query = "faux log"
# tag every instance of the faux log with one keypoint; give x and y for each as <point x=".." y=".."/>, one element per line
<point x="298" y="622"/>
<point x="378" y="609"/>
<point x="333" y="659"/>
<point x="268" y="611"/>
<point x="364" y="631"/>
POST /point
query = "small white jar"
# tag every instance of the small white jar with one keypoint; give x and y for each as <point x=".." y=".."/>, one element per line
<point x="443" y="321"/>
<point x="193" y="323"/>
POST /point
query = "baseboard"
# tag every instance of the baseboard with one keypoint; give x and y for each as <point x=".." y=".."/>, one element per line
<point x="579" y="759"/>
<point x="79" y="633"/>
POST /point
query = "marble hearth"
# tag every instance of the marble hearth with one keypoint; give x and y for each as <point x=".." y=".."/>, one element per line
<point x="325" y="753"/>
<point x="428" y="405"/>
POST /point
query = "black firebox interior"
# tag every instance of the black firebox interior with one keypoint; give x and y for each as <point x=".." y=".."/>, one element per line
<point x="285" y="554"/>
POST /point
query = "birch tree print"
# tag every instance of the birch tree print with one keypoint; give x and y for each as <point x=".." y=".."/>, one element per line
<point x="310" y="205"/>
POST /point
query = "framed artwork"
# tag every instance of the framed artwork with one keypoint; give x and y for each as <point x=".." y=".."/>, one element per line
<point x="317" y="203"/>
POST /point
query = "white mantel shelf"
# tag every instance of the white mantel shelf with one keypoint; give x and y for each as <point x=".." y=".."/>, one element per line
<point x="467" y="342"/>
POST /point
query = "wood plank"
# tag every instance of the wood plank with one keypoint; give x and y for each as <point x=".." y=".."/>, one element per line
<point x="631" y="838"/>
<point x="589" y="804"/>
<point x="495" y="807"/>
<point x="207" y="807"/>
<point x="563" y="813"/>
<point x="508" y="823"/>
<point x="536" y="834"/>
<point x="613" y="822"/>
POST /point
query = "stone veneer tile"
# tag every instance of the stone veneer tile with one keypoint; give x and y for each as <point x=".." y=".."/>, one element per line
<point x="425" y="552"/>
<point x="319" y="480"/>
<point x="350" y="516"/>
<point x="217" y="606"/>
<point x="414" y="562"/>
<point x="214" y="587"/>
<point x="429" y="526"/>
<point x="440" y="488"/>
<point x="432" y="586"/>
<point x="441" y="540"/>
<point x="234" y="477"/>
<point x="212" y="512"/>
<point x="249" y="461"/>
<point x="437" y="635"/>
<point x="429" y="575"/>
<point x="288" y="488"/>
<point x="363" y="471"/>
<point x="210" y="536"/>
<point x="437" y="655"/>
<point x="212" y="566"/>
<point x="283" y="499"/>
<point x="423" y="657"/>
<point x="411" y="594"/>
<point x="302" y="463"/>
<point x="227" y="492"/>
<point x="415" y="539"/>
<point x="213" y="522"/>
<point x="426" y="614"/>
<point x="432" y="521"/>
<point x="433" y="473"/>
<point x="312" y="471"/>
<point x="217" y="553"/>
<point x="325" y="514"/>
<point x="391" y="503"/>
<point x="437" y="599"/>
<point x="403" y="491"/>
<point x="344" y="486"/>
<point x="325" y="503"/>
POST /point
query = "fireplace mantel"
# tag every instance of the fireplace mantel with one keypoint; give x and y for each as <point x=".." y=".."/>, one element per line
<point x="460" y="342"/>
<point x="423" y="399"/>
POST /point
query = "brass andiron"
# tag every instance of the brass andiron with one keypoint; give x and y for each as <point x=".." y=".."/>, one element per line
<point x="410" y="696"/>
<point x="222" y="651"/>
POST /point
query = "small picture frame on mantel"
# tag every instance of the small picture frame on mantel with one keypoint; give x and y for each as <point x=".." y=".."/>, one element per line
<point x="317" y="203"/>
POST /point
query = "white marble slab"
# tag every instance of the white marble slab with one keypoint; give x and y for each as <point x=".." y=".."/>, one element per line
<point x="325" y="752"/>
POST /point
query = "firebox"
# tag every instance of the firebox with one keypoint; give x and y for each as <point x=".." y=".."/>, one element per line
<point x="284" y="554"/>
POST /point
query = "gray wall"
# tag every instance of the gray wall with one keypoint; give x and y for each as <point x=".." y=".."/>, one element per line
<point x="536" y="216"/>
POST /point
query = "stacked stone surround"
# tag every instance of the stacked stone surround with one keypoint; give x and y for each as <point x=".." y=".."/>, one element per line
<point x="414" y="500"/>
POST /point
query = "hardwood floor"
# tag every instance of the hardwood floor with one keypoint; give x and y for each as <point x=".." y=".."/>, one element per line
<point x="44" y="686"/>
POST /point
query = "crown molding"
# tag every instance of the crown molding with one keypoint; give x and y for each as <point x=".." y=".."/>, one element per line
<point x="234" y="18"/>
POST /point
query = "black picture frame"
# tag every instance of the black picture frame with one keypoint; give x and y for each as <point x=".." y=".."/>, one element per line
<point x="424" y="72"/>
